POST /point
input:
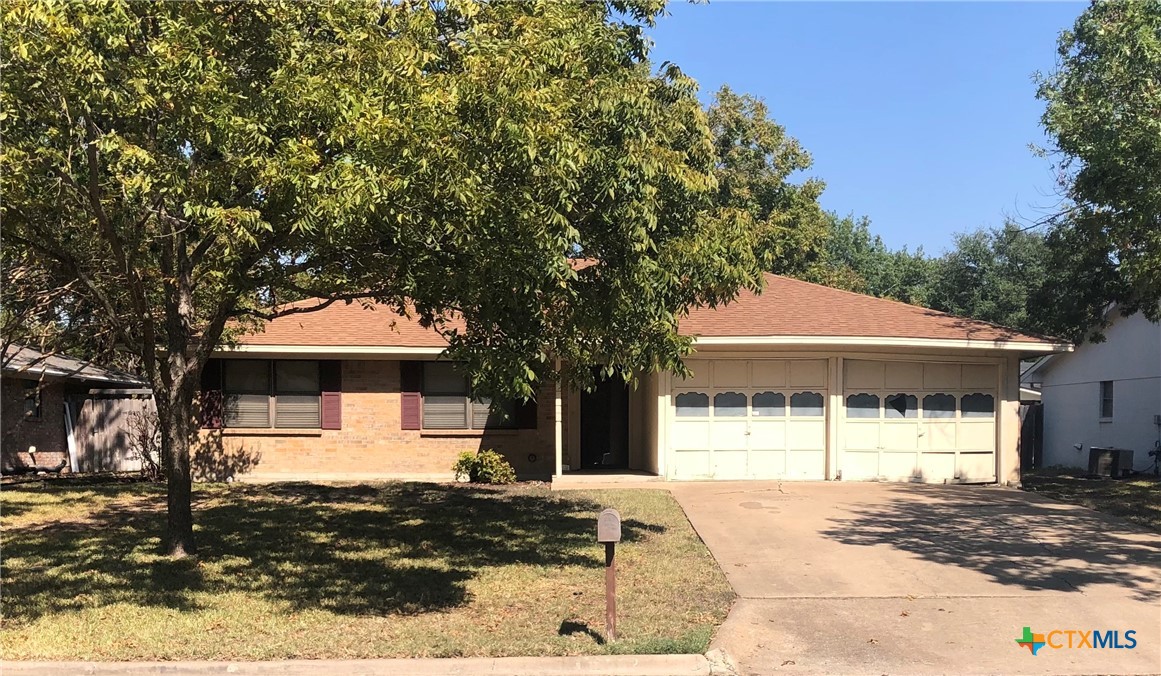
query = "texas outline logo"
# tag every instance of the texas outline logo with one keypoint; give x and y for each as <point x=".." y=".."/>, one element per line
<point x="1033" y="642"/>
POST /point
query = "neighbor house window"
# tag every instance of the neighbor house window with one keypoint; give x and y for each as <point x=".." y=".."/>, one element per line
<point x="31" y="400"/>
<point x="448" y="403"/>
<point x="265" y="393"/>
<point x="1106" y="399"/>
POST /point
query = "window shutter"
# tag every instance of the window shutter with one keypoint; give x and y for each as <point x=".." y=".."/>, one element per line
<point x="411" y="399"/>
<point x="526" y="414"/>
<point x="210" y="399"/>
<point x="330" y="375"/>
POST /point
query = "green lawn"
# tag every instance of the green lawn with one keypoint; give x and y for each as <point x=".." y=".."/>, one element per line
<point x="1137" y="499"/>
<point x="352" y="571"/>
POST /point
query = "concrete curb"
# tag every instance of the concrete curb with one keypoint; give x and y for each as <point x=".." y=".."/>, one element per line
<point x="598" y="665"/>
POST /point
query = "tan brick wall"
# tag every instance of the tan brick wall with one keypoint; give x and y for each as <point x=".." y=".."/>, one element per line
<point x="46" y="434"/>
<point x="371" y="441"/>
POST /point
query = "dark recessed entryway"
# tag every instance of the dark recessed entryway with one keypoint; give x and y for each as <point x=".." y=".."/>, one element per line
<point x="604" y="418"/>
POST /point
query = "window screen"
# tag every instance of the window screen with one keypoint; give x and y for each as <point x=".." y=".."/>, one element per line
<point x="1106" y="398"/>
<point x="31" y="400"/>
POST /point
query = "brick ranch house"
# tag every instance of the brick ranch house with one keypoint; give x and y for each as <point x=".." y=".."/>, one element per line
<point x="800" y="382"/>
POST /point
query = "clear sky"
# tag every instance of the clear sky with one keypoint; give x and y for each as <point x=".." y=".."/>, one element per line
<point x="918" y="115"/>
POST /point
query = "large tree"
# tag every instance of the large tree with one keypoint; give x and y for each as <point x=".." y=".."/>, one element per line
<point x="990" y="274"/>
<point x="1103" y="114"/>
<point x="856" y="260"/>
<point x="756" y="161"/>
<point x="177" y="168"/>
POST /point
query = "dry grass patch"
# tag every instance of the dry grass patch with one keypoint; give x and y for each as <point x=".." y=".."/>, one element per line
<point x="356" y="571"/>
<point x="1137" y="499"/>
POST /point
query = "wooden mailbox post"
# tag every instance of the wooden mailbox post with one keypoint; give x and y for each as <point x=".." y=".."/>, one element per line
<point x="609" y="532"/>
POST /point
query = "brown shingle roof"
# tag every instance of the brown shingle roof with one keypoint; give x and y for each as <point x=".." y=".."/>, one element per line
<point x="347" y="325"/>
<point x="787" y="307"/>
<point x="790" y="307"/>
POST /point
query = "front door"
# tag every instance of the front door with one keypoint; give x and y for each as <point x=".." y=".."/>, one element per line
<point x="604" y="417"/>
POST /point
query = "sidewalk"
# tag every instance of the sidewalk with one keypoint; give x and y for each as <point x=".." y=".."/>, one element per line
<point x="602" y="665"/>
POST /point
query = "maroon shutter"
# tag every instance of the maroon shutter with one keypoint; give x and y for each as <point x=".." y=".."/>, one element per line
<point x="330" y="377"/>
<point x="410" y="395"/>
<point x="526" y="414"/>
<point x="210" y="398"/>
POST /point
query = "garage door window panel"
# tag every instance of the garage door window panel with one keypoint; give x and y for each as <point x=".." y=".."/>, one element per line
<point x="862" y="405"/>
<point x="806" y="404"/>
<point x="977" y="405"/>
<point x="939" y="405"/>
<point x="692" y="405"/>
<point x="900" y="406"/>
<point x="729" y="405"/>
<point x="769" y="405"/>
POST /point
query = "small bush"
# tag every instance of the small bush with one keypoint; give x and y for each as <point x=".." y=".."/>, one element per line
<point x="484" y="467"/>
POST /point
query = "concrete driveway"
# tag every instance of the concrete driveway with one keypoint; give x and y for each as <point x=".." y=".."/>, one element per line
<point x="856" y="578"/>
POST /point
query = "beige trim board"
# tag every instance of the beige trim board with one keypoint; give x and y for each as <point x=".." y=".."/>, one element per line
<point x="335" y="350"/>
<point x="860" y="341"/>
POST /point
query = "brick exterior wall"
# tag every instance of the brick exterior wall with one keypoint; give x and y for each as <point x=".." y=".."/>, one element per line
<point x="370" y="442"/>
<point x="47" y="434"/>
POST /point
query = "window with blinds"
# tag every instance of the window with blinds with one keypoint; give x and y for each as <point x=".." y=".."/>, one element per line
<point x="448" y="403"/>
<point x="246" y="390"/>
<point x="296" y="394"/>
<point x="263" y="393"/>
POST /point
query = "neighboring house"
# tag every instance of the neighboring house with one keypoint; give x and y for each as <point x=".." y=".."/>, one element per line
<point x="801" y="382"/>
<point x="64" y="414"/>
<point x="1105" y="394"/>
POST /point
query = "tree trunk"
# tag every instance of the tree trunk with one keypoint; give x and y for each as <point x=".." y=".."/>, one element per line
<point x="175" y="417"/>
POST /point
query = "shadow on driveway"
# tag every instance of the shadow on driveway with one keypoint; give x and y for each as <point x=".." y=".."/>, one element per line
<point x="1013" y="538"/>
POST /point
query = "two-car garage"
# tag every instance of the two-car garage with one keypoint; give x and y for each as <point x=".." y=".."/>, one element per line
<point x="889" y="420"/>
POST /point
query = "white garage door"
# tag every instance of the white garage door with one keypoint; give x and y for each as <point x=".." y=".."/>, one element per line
<point x="749" y="419"/>
<point x="918" y="421"/>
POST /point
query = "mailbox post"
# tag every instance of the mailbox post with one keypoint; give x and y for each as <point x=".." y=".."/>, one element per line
<point x="609" y="533"/>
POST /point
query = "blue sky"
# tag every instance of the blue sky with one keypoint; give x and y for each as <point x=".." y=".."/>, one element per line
<point x="918" y="115"/>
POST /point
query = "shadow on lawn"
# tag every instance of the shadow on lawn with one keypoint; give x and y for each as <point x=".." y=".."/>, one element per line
<point x="1014" y="540"/>
<point x="400" y="548"/>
